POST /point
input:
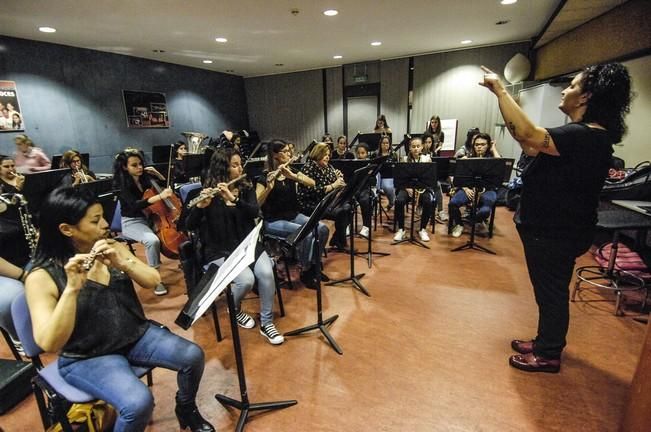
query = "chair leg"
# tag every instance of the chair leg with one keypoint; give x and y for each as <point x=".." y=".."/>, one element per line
<point x="150" y="379"/>
<point x="46" y="418"/>
<point x="491" y="224"/>
<point x="13" y="349"/>
<point x="215" y="319"/>
<point x="289" y="275"/>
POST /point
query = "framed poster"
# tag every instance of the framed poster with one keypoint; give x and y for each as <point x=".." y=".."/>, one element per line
<point x="11" y="119"/>
<point x="145" y="109"/>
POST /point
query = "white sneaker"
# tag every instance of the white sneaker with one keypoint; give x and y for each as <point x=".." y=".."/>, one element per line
<point x="423" y="235"/>
<point x="400" y="235"/>
<point x="269" y="331"/>
<point x="244" y="320"/>
<point x="348" y="230"/>
<point x="160" y="290"/>
<point x="457" y="231"/>
<point x="364" y="232"/>
<point x="443" y="215"/>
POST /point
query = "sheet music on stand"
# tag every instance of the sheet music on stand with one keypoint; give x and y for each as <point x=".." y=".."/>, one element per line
<point x="238" y="260"/>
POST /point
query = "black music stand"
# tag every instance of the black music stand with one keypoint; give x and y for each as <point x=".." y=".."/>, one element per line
<point x="357" y="182"/>
<point x="38" y="186"/>
<point x="193" y="164"/>
<point x="371" y="139"/>
<point x="415" y="175"/>
<point x="379" y="161"/>
<point x="478" y="173"/>
<point x="189" y="314"/>
<point x="312" y="225"/>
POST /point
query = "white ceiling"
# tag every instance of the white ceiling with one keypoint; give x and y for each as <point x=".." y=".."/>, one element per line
<point x="262" y="34"/>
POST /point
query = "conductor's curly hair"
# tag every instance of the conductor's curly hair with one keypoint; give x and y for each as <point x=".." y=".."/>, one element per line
<point x="609" y="87"/>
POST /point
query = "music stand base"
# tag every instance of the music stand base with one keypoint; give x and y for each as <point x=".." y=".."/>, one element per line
<point x="246" y="407"/>
<point x="473" y="245"/>
<point x="322" y="327"/>
<point x="411" y="240"/>
<point x="356" y="283"/>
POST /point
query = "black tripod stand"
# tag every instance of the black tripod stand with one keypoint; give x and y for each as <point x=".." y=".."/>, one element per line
<point x="313" y="225"/>
<point x="415" y="175"/>
<point x="205" y="296"/>
<point x="357" y="182"/>
<point x="244" y="405"/>
<point x="479" y="174"/>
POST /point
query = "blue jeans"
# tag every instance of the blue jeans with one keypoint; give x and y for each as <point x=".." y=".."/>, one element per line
<point x="486" y="202"/>
<point x="110" y="377"/>
<point x="263" y="273"/>
<point x="139" y="230"/>
<point x="283" y="228"/>
<point x="9" y="290"/>
<point x="386" y="184"/>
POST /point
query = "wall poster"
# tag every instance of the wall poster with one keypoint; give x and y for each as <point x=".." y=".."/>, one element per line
<point x="145" y="109"/>
<point x="11" y="119"/>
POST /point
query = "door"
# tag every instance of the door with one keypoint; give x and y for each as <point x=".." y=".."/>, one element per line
<point x="362" y="113"/>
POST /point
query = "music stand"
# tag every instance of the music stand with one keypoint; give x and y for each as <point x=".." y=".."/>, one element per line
<point x="193" y="164"/>
<point x="356" y="183"/>
<point x="240" y="258"/>
<point x="371" y="139"/>
<point x="39" y="184"/>
<point x="312" y="225"/>
<point x="415" y="175"/>
<point x="478" y="173"/>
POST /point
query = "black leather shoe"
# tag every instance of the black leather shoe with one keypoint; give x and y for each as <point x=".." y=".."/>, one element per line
<point x="523" y="347"/>
<point x="308" y="279"/>
<point x="189" y="417"/>
<point x="533" y="363"/>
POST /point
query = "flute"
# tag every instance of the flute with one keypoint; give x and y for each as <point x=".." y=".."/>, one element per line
<point x="203" y="195"/>
<point x="273" y="175"/>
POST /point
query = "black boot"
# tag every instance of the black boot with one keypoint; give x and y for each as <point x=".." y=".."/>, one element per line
<point x="189" y="416"/>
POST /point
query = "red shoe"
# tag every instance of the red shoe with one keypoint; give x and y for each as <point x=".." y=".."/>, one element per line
<point x="532" y="363"/>
<point x="523" y="347"/>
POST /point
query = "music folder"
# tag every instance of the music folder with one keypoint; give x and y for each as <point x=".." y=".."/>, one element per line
<point x="237" y="261"/>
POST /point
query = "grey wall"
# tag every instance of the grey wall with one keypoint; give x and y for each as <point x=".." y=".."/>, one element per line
<point x="72" y="98"/>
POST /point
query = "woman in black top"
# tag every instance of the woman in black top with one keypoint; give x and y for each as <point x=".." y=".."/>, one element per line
<point x="434" y="129"/>
<point x="83" y="305"/>
<point x="132" y="178"/>
<point x="80" y="172"/>
<point x="327" y="179"/>
<point x="179" y="175"/>
<point x="558" y="209"/>
<point x="14" y="248"/>
<point x="341" y="149"/>
<point x="386" y="184"/>
<point x="276" y="194"/>
<point x="223" y="222"/>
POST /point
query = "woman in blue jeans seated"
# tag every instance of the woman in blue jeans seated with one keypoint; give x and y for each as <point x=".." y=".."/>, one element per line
<point x="132" y="179"/>
<point x="84" y="306"/>
<point x="276" y="194"/>
<point x="482" y="147"/>
<point x="223" y="222"/>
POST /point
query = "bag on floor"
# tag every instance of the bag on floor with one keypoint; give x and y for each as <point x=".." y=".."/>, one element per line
<point x="626" y="259"/>
<point x="95" y="417"/>
<point x="629" y="184"/>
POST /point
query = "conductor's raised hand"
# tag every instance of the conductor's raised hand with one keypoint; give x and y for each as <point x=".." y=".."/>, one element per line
<point x="491" y="81"/>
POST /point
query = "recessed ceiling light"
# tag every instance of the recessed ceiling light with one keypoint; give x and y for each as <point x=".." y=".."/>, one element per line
<point x="47" y="29"/>
<point x="221" y="40"/>
<point x="230" y="70"/>
<point x="505" y="2"/>
<point x="207" y="61"/>
<point x="376" y="43"/>
<point x="466" y="42"/>
<point x="337" y="57"/>
<point x="330" y="12"/>
<point x="158" y="50"/>
<point x="502" y="22"/>
<point x="279" y="64"/>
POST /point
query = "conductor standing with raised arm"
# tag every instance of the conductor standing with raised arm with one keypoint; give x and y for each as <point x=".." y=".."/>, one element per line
<point x="557" y="215"/>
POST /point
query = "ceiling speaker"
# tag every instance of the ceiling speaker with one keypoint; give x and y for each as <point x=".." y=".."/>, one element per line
<point x="517" y="69"/>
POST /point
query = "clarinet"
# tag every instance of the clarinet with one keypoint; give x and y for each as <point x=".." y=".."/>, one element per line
<point x="31" y="234"/>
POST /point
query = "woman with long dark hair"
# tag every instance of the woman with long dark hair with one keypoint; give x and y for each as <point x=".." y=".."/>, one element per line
<point x="381" y="125"/>
<point x="276" y="195"/>
<point x="223" y="222"/>
<point x="557" y="214"/>
<point x="84" y="306"/>
<point x="132" y="179"/>
<point x="434" y="129"/>
<point x="386" y="184"/>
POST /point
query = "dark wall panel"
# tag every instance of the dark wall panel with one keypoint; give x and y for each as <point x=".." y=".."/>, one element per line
<point x="72" y="98"/>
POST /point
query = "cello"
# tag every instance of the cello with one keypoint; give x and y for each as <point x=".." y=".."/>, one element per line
<point x="164" y="214"/>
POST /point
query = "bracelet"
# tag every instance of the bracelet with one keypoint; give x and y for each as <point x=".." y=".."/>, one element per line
<point x="131" y="262"/>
